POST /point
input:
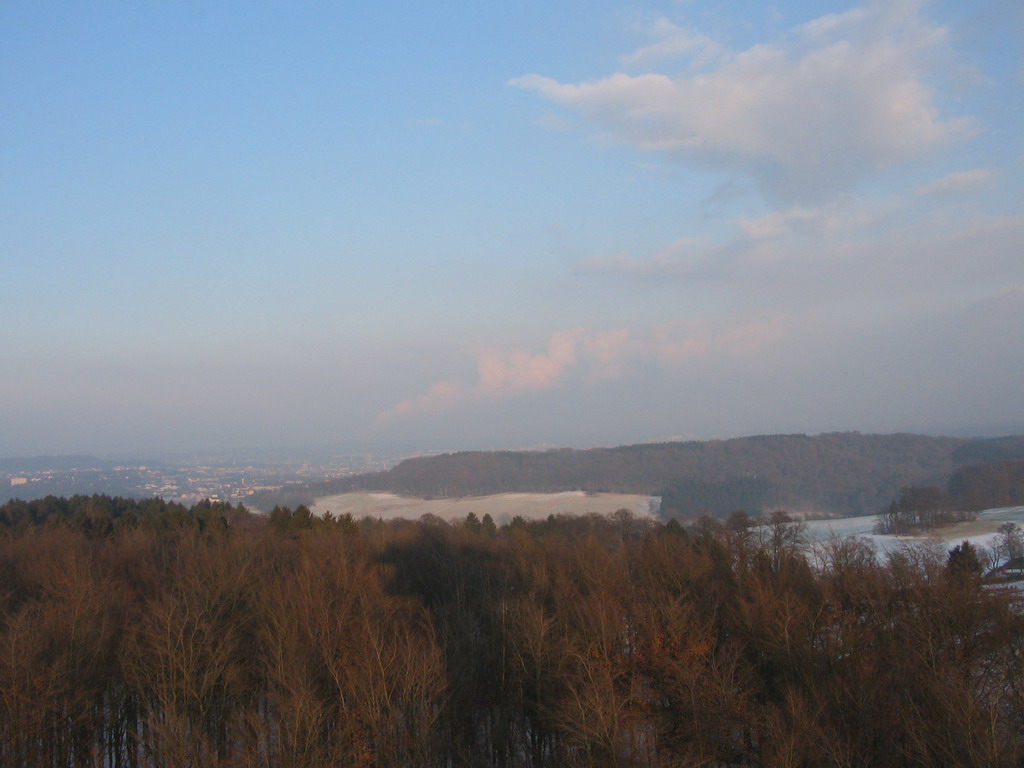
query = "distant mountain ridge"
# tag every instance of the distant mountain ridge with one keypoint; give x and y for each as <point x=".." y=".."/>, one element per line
<point x="839" y="472"/>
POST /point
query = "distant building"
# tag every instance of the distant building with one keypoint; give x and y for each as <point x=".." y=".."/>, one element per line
<point x="19" y="480"/>
<point x="1013" y="567"/>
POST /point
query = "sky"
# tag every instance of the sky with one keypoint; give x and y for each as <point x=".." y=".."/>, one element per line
<point x="238" y="226"/>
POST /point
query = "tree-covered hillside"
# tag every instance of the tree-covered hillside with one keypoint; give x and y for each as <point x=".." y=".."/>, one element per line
<point x="841" y="472"/>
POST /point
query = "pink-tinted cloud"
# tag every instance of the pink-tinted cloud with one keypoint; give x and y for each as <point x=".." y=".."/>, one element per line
<point x="444" y="395"/>
<point x="501" y="373"/>
<point x="590" y="357"/>
<point x="518" y="370"/>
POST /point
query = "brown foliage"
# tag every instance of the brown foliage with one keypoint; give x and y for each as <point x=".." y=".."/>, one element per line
<point x="587" y="643"/>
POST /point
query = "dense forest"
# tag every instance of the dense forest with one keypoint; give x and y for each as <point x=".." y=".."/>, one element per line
<point x="845" y="473"/>
<point x="147" y="634"/>
<point x="985" y="486"/>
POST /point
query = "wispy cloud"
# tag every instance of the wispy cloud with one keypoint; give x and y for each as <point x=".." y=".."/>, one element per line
<point x="891" y="254"/>
<point x="963" y="182"/>
<point x="677" y="343"/>
<point x="805" y="117"/>
<point x="442" y="396"/>
<point x="594" y="356"/>
<point x="669" y="41"/>
<point x="500" y="373"/>
<point x="838" y="219"/>
<point x="787" y="237"/>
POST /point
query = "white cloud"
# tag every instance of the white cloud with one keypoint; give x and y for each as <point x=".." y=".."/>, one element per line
<point x="672" y="42"/>
<point x="963" y="182"/>
<point x="805" y="118"/>
<point x="892" y="255"/>
<point x="841" y="218"/>
<point x="893" y="259"/>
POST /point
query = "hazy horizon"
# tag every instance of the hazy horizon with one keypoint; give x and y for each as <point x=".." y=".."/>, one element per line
<point x="250" y="227"/>
<point x="333" y="453"/>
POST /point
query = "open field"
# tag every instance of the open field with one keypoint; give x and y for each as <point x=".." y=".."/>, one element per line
<point x="979" y="532"/>
<point x="501" y="507"/>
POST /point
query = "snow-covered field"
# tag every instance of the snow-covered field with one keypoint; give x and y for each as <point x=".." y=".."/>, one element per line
<point x="532" y="506"/>
<point x="979" y="532"/>
<point x="501" y="507"/>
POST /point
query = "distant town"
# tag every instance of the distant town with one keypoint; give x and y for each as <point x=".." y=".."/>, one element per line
<point x="187" y="482"/>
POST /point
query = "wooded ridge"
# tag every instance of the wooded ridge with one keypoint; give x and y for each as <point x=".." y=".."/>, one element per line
<point x="841" y="472"/>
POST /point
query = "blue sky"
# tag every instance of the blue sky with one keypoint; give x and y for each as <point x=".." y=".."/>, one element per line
<point x="230" y="226"/>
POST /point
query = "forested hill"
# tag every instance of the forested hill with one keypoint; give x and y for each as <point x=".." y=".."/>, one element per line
<point x="846" y="473"/>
